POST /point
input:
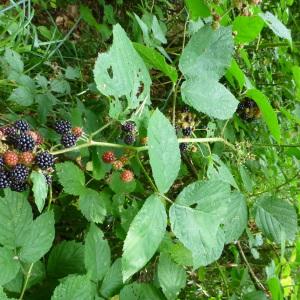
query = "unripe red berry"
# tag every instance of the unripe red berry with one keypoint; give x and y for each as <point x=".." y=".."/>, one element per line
<point x="118" y="165"/>
<point x="124" y="159"/>
<point x="26" y="158"/>
<point x="10" y="158"/>
<point x="77" y="131"/>
<point x="127" y="176"/>
<point x="108" y="157"/>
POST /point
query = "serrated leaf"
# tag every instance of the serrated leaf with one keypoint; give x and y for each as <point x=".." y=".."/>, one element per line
<point x="38" y="239"/>
<point x="113" y="280"/>
<point x="22" y="96"/>
<point x="208" y="53"/>
<point x="163" y="151"/>
<point x="74" y="288"/>
<point x="247" y="28"/>
<point x="171" y="277"/>
<point x="39" y="188"/>
<point x="236" y="217"/>
<point x="9" y="265"/>
<point x="209" y="96"/>
<point x="276" y="25"/>
<point x="139" y="291"/>
<point x="156" y="60"/>
<point x="3" y="296"/>
<point x="15" y="218"/>
<point x="122" y="72"/>
<point x="92" y="206"/>
<point x="276" y="218"/>
<point x="144" y="236"/>
<point x="14" y="60"/>
<point x="71" y="178"/>
<point x="66" y="258"/>
<point x="199" y="232"/>
<point x="96" y="254"/>
<point x="267" y="111"/>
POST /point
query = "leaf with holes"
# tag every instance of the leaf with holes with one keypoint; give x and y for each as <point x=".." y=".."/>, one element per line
<point x="121" y="72"/>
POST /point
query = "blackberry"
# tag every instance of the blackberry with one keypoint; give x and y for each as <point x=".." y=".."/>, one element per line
<point x="183" y="147"/>
<point x="185" y="109"/>
<point x="44" y="160"/>
<point x="48" y="179"/>
<point x="4" y="180"/>
<point x="129" y="126"/>
<point x="68" y="140"/>
<point x="20" y="173"/>
<point x="11" y="136"/>
<point x="62" y="126"/>
<point x="129" y="139"/>
<point x="1" y="163"/>
<point x="21" y="125"/>
<point x="25" y="143"/>
<point x="187" y="131"/>
<point x="18" y="186"/>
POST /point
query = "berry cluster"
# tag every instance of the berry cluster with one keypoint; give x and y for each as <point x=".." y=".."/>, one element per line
<point x="129" y="132"/>
<point x="69" y="135"/>
<point x="248" y="110"/>
<point x="118" y="164"/>
<point x="21" y="151"/>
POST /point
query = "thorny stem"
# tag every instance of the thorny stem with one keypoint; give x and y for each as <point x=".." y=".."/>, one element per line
<point x="257" y="281"/>
<point x="26" y="281"/>
<point x="100" y="129"/>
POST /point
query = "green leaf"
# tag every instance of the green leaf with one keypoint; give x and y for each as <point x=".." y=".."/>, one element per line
<point x="199" y="232"/>
<point x="197" y="9"/>
<point x="118" y="186"/>
<point x="210" y="97"/>
<point x="267" y="111"/>
<point x="22" y="96"/>
<point x="163" y="151"/>
<point x="208" y="53"/>
<point x="66" y="258"/>
<point x="60" y="86"/>
<point x="97" y="253"/>
<point x="156" y="60"/>
<point x="15" y="218"/>
<point x="39" y="238"/>
<point x="9" y="265"/>
<point x="39" y="188"/>
<point x="144" y="236"/>
<point x="276" y="26"/>
<point x="157" y="31"/>
<point x="139" y="291"/>
<point x="71" y="178"/>
<point x="236" y="72"/>
<point x="113" y="280"/>
<point x="72" y="73"/>
<point x="92" y="206"/>
<point x="3" y="295"/>
<point x="296" y="76"/>
<point x="236" y="217"/>
<point x="171" y="277"/>
<point x="276" y="218"/>
<point x="247" y="28"/>
<point x="74" y="288"/>
<point x="122" y="72"/>
<point x="255" y="295"/>
<point x="14" y="60"/>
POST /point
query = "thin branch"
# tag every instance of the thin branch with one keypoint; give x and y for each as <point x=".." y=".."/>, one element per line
<point x="26" y="281"/>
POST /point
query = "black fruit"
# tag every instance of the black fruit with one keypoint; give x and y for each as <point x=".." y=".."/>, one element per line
<point x="21" y="125"/>
<point x="129" y="126"/>
<point x="129" y="139"/>
<point x="183" y="147"/>
<point x="5" y="180"/>
<point x="68" y="140"/>
<point x="24" y="142"/>
<point x="19" y="174"/>
<point x="62" y="126"/>
<point x="44" y="160"/>
<point x="18" y="186"/>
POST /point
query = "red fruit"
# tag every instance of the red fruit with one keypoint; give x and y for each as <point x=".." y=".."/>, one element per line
<point x="26" y="158"/>
<point x="108" y="157"/>
<point x="77" y="131"/>
<point x="10" y="158"/>
<point x="36" y="136"/>
<point x="124" y="159"/>
<point x="117" y="165"/>
<point x="127" y="176"/>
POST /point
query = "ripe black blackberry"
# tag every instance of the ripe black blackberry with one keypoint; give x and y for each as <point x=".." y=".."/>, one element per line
<point x="2" y="164"/>
<point x="21" y="125"/>
<point x="183" y="147"/>
<point x="24" y="142"/>
<point x="68" y="140"/>
<point x="48" y="179"/>
<point x="129" y="139"/>
<point x="5" y="180"/>
<point x="11" y="135"/>
<point x="187" y="131"/>
<point x="19" y="173"/>
<point x="44" y="160"/>
<point x="62" y="126"/>
<point x="18" y="186"/>
<point x="129" y="126"/>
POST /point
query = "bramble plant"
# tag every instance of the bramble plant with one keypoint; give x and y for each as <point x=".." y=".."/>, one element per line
<point x="149" y="150"/>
